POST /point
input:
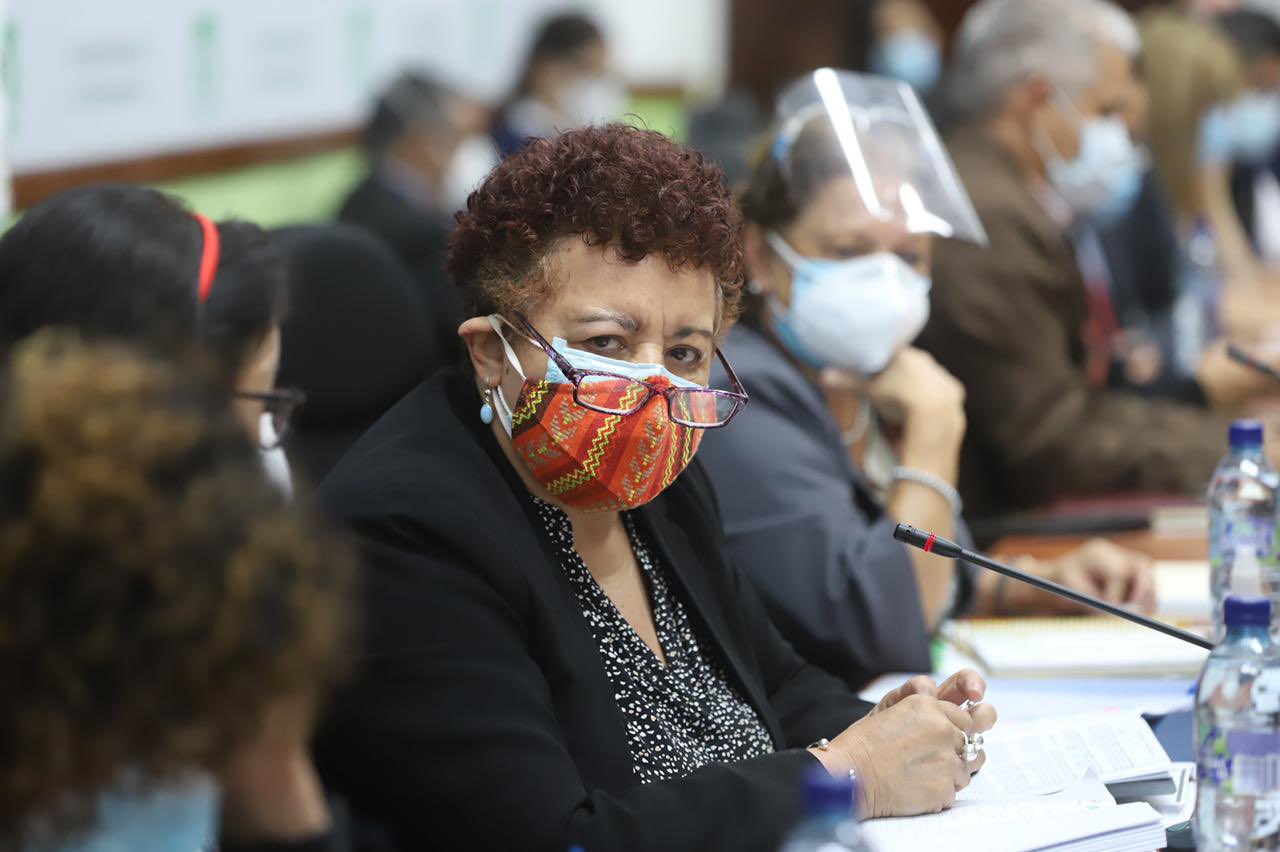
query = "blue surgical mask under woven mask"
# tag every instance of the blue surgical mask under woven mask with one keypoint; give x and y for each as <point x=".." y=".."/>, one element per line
<point x="587" y="361"/>
<point x="591" y="362"/>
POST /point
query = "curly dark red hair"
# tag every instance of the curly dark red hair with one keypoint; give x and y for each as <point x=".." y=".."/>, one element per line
<point x="635" y="191"/>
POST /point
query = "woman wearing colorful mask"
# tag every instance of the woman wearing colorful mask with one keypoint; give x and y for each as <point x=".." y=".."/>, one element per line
<point x="862" y="429"/>
<point x="129" y="263"/>
<point x="167" y="622"/>
<point x="567" y="82"/>
<point x="557" y="633"/>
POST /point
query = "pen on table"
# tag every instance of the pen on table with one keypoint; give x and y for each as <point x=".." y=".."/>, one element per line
<point x="1235" y="353"/>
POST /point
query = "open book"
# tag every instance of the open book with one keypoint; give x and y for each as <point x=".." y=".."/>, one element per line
<point x="1044" y="786"/>
<point x="1048" y="755"/>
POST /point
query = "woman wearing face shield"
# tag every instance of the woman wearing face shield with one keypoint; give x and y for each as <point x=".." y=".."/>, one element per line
<point x="566" y="83"/>
<point x="862" y="429"/>
<point x="557" y="634"/>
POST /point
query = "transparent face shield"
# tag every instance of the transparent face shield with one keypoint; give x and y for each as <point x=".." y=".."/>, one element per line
<point x="872" y="135"/>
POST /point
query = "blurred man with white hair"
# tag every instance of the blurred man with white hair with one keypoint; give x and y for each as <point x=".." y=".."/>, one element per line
<point x="1044" y="91"/>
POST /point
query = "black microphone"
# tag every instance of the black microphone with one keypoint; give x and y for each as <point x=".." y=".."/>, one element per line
<point x="1235" y="353"/>
<point x="930" y="543"/>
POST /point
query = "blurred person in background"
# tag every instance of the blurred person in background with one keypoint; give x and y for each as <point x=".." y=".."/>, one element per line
<point x="168" y="625"/>
<point x="863" y="430"/>
<point x="1148" y="329"/>
<point x="567" y="81"/>
<point x="1255" y="187"/>
<point x="1204" y="118"/>
<point x="1043" y="92"/>
<point x="130" y="263"/>
<point x="427" y="149"/>
<point x="900" y="39"/>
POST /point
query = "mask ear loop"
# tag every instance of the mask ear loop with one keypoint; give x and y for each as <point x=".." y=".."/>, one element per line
<point x="503" y="410"/>
<point x="789" y="255"/>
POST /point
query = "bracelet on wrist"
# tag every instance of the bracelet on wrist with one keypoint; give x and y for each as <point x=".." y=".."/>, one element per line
<point x="936" y="483"/>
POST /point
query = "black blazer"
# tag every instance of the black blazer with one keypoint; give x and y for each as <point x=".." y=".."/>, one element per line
<point x="420" y="238"/>
<point x="481" y="716"/>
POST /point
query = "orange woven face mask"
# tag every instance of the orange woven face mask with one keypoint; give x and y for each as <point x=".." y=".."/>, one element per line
<point x="599" y="462"/>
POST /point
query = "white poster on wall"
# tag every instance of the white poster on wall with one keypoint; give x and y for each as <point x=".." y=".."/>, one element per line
<point x="93" y="82"/>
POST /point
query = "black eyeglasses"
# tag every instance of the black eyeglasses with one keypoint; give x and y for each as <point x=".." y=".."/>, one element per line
<point x="281" y="405"/>
<point x="610" y="393"/>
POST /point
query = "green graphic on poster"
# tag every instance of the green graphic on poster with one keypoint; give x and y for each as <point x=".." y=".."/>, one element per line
<point x="204" y="37"/>
<point x="360" y="24"/>
<point x="12" y="82"/>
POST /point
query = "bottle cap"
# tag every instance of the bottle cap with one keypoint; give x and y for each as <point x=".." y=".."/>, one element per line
<point x="1245" y="434"/>
<point x="1246" y="612"/>
<point x="827" y="795"/>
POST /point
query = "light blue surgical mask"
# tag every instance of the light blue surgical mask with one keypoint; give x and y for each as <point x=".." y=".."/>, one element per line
<point x="850" y="314"/>
<point x="183" y="815"/>
<point x="1124" y="195"/>
<point x="911" y="56"/>
<point x="1103" y="181"/>
<point x="1254" y="118"/>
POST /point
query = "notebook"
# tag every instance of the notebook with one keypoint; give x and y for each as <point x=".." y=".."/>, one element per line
<point x="1075" y="646"/>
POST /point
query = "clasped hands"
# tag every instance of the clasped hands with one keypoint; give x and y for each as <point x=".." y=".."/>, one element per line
<point x="909" y="752"/>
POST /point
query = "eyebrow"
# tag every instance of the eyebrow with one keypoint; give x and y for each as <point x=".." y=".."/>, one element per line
<point x="628" y="323"/>
<point x="690" y="331"/>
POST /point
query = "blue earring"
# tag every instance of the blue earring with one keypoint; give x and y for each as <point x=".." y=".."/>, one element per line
<point x="486" y="410"/>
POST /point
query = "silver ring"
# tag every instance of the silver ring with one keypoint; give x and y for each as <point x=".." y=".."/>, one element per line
<point x="972" y="746"/>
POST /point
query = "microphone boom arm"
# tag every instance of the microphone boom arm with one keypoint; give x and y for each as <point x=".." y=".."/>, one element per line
<point x="930" y="543"/>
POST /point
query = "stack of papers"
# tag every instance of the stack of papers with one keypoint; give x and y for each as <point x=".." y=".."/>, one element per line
<point x="1072" y="647"/>
<point x="1044" y="786"/>
<point x="1082" y="818"/>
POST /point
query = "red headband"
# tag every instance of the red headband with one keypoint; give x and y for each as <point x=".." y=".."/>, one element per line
<point x="209" y="255"/>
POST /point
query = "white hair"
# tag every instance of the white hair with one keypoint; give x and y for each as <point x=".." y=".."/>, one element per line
<point x="1116" y="27"/>
<point x="1003" y="42"/>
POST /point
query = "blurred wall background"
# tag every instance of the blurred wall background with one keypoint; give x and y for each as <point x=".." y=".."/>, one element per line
<point x="251" y="107"/>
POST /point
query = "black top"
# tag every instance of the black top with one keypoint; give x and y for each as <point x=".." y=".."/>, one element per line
<point x="482" y="716"/>
<point x="682" y="715"/>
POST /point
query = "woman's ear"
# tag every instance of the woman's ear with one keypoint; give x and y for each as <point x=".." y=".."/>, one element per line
<point x="766" y="270"/>
<point x="488" y="358"/>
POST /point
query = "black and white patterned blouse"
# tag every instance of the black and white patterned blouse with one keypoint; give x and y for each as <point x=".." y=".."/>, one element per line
<point x="680" y="716"/>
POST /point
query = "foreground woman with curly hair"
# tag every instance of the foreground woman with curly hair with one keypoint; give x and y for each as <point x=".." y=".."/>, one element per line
<point x="164" y="615"/>
<point x="561" y="650"/>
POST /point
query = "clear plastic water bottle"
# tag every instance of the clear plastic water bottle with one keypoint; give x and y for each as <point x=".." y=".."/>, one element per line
<point x="1242" y="521"/>
<point x="1237" y="734"/>
<point x="831" y="825"/>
